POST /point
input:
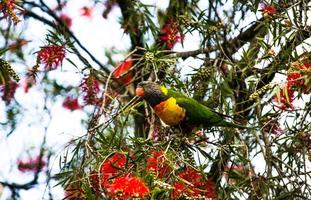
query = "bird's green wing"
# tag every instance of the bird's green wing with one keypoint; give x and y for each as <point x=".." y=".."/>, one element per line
<point x="199" y="114"/>
<point x="196" y="113"/>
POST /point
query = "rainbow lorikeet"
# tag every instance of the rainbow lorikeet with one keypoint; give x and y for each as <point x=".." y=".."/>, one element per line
<point x="174" y="108"/>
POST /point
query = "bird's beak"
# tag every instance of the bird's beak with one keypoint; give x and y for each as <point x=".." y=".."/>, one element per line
<point x="140" y="92"/>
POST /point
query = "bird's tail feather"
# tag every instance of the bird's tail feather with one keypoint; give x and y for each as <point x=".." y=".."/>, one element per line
<point x="233" y="125"/>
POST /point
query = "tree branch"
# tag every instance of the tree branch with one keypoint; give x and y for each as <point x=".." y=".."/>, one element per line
<point x="67" y="31"/>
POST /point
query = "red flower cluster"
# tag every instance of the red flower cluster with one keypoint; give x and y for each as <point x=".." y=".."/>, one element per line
<point x="198" y="187"/>
<point x="157" y="164"/>
<point x="66" y="20"/>
<point x="121" y="72"/>
<point x="170" y="34"/>
<point x="94" y="182"/>
<point x="71" y="103"/>
<point x="32" y="164"/>
<point x="268" y="10"/>
<point x="8" y="91"/>
<point x="115" y="182"/>
<point x="90" y="90"/>
<point x="127" y="187"/>
<point x="7" y="7"/>
<point x="118" y="186"/>
<point x="110" y="168"/>
<point x="86" y="11"/>
<point x="51" y="56"/>
<point x="295" y="80"/>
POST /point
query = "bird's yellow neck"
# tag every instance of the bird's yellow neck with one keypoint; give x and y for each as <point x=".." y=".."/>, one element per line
<point x="170" y="112"/>
<point x="164" y="90"/>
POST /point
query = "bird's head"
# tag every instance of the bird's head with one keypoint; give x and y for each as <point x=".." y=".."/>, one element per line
<point x="152" y="92"/>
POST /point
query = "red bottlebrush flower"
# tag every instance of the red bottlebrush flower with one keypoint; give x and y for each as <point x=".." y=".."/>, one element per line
<point x="157" y="164"/>
<point x="296" y="77"/>
<point x="111" y="167"/>
<point x="198" y="187"/>
<point x="90" y="90"/>
<point x="127" y="187"/>
<point x="294" y="80"/>
<point x="178" y="189"/>
<point x="170" y="34"/>
<point x="32" y="164"/>
<point x="66" y="20"/>
<point x="268" y="9"/>
<point x="71" y="104"/>
<point x="285" y="99"/>
<point x="86" y="11"/>
<point x="7" y="7"/>
<point x="305" y="66"/>
<point x="122" y="69"/>
<point x="8" y="91"/>
<point x="191" y="175"/>
<point x="51" y="56"/>
<point x="94" y="182"/>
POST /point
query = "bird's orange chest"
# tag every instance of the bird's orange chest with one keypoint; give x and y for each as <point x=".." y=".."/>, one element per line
<point x="170" y="112"/>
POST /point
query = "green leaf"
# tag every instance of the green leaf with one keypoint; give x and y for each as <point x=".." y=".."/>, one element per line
<point x="157" y="193"/>
<point x="69" y="60"/>
<point x="2" y="51"/>
<point x="63" y="174"/>
<point x="277" y="91"/>
<point x="225" y="89"/>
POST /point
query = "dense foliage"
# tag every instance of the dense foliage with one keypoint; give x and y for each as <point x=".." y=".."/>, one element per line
<point x="249" y="61"/>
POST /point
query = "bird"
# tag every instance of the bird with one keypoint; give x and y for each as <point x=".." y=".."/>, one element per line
<point x="175" y="108"/>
